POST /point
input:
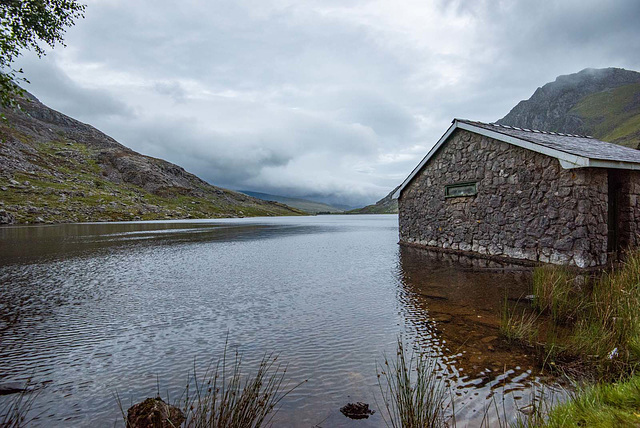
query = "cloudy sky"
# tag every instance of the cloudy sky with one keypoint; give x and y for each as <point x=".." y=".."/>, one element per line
<point x="329" y="99"/>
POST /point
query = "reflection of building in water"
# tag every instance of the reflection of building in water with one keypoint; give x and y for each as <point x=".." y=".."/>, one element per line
<point x="454" y="303"/>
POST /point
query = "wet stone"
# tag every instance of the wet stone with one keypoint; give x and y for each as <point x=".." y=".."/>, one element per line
<point x="11" y="388"/>
<point x="442" y="318"/>
<point x="154" y="413"/>
<point x="357" y="410"/>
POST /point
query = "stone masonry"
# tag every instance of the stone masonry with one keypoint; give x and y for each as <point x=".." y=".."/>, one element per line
<point x="527" y="206"/>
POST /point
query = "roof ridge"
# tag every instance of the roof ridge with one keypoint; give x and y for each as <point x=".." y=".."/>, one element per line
<point x="537" y="131"/>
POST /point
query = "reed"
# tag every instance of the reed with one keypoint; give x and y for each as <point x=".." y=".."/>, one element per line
<point x="14" y="413"/>
<point x="519" y="328"/>
<point x="227" y="396"/>
<point x="413" y="391"/>
<point x="555" y="292"/>
<point x="609" y="330"/>
<point x="224" y="397"/>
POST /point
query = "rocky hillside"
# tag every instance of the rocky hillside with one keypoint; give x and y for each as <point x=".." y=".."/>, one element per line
<point x="306" y="205"/>
<point x="56" y="169"/>
<point x="386" y="205"/>
<point x="604" y="103"/>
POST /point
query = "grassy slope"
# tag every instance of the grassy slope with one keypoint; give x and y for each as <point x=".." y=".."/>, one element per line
<point x="75" y="190"/>
<point x="612" y="115"/>
<point x="386" y="205"/>
<point x="377" y="208"/>
<point x="306" y="205"/>
<point x="50" y="173"/>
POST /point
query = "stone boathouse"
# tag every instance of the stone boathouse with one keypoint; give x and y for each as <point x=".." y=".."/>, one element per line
<point x="501" y="191"/>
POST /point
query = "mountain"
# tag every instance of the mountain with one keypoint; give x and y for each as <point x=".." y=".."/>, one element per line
<point x="386" y="205"/>
<point x="604" y="103"/>
<point x="306" y="205"/>
<point x="56" y="169"/>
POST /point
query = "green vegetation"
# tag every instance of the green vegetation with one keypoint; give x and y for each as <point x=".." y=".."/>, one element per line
<point x="24" y="24"/>
<point x="306" y="205"/>
<point x="604" y="405"/>
<point x="592" y="330"/>
<point x="554" y="292"/>
<point x="416" y="394"/>
<point x="55" y="169"/>
<point x="377" y="208"/>
<point x="68" y="184"/>
<point x="413" y="392"/>
<point x="227" y="398"/>
<point x="599" y="318"/>
<point x="612" y="115"/>
<point x="519" y="328"/>
<point x="386" y="205"/>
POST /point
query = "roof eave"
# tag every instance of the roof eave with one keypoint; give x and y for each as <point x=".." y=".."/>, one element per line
<point x="578" y="161"/>
<point x="567" y="160"/>
<point x="600" y="163"/>
<point x="424" y="160"/>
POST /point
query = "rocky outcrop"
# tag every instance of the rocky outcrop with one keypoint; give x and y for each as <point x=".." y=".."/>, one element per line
<point x="549" y="108"/>
<point x="6" y="218"/>
<point x="56" y="169"/>
<point x="386" y="205"/>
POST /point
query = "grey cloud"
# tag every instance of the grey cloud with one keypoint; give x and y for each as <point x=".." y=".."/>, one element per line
<point x="335" y="99"/>
<point x="49" y="82"/>
<point x="173" y="89"/>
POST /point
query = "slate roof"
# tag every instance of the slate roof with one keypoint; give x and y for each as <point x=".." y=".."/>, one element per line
<point x="579" y="145"/>
<point x="573" y="151"/>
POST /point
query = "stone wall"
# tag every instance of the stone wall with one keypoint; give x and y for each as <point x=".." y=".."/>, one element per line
<point x="527" y="206"/>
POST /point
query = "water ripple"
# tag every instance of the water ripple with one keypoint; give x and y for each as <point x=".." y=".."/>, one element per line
<point x="97" y="308"/>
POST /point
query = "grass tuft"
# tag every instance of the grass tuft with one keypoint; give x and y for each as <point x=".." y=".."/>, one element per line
<point x="604" y="405"/>
<point x="225" y="397"/>
<point x="555" y="292"/>
<point x="609" y="330"/>
<point x="14" y="413"/>
<point x="413" y="391"/>
<point x="520" y="329"/>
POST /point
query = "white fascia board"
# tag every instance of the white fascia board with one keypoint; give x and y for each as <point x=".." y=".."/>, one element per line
<point x="597" y="163"/>
<point x="424" y="160"/>
<point x="569" y="159"/>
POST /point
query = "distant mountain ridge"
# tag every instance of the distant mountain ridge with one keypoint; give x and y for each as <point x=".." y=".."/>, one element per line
<point x="604" y="103"/>
<point x="386" y="205"/>
<point x="56" y="169"/>
<point x="312" y="207"/>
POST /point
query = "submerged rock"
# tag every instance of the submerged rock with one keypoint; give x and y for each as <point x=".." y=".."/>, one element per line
<point x="12" y="388"/>
<point x="154" y="413"/>
<point x="357" y="410"/>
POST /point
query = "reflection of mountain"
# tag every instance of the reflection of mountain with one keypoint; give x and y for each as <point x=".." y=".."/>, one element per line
<point x="454" y="303"/>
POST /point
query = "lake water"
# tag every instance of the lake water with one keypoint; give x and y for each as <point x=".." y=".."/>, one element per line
<point x="89" y="310"/>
